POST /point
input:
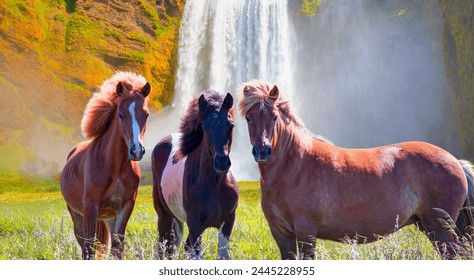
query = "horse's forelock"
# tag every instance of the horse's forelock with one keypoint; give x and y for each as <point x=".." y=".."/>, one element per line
<point x="256" y="93"/>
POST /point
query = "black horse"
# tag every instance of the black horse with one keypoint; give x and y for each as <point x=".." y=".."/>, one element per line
<point x="192" y="182"/>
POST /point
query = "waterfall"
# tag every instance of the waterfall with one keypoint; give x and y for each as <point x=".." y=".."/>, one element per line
<point x="361" y="73"/>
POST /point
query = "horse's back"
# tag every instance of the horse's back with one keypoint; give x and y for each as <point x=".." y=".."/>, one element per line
<point x="168" y="174"/>
<point x="426" y="170"/>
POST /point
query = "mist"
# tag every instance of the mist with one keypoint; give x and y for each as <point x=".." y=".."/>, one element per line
<point x="370" y="73"/>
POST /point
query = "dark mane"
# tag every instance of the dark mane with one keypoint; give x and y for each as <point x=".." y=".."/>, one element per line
<point x="191" y="122"/>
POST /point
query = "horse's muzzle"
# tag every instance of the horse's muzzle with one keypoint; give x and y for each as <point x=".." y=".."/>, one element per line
<point x="261" y="153"/>
<point x="136" y="154"/>
<point x="221" y="163"/>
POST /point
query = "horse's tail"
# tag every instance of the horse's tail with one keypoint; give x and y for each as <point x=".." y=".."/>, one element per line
<point x="103" y="238"/>
<point x="466" y="216"/>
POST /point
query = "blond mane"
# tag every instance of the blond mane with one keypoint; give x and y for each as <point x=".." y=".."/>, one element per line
<point x="101" y="107"/>
<point x="257" y="92"/>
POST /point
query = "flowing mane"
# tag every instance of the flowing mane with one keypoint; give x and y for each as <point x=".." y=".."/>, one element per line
<point x="101" y="107"/>
<point x="191" y="121"/>
<point x="258" y="92"/>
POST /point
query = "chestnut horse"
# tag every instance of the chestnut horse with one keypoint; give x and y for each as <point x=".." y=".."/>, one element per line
<point x="313" y="189"/>
<point x="192" y="182"/>
<point x="100" y="179"/>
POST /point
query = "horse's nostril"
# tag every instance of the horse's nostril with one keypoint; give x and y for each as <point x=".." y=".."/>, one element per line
<point x="254" y="150"/>
<point x="268" y="150"/>
<point x="222" y="164"/>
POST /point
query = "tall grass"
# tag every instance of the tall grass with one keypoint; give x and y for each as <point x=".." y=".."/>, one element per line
<point x="36" y="225"/>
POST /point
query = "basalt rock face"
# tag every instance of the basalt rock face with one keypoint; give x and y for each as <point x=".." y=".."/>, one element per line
<point x="458" y="46"/>
<point x="54" y="54"/>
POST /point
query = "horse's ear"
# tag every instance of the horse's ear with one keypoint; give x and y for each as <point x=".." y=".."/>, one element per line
<point x="247" y="91"/>
<point x="146" y="89"/>
<point x="120" y="89"/>
<point x="274" y="93"/>
<point x="202" y="104"/>
<point x="228" y="101"/>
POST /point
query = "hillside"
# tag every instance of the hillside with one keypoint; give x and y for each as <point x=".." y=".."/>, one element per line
<point x="54" y="53"/>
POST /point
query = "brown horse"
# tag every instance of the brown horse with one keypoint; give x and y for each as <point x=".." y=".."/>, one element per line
<point x="100" y="179"/>
<point x="313" y="189"/>
<point x="192" y="182"/>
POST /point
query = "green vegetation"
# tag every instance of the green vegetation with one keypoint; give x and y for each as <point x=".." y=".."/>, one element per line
<point x="310" y="7"/>
<point x="34" y="224"/>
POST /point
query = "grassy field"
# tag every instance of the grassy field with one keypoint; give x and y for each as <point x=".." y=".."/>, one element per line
<point x="34" y="224"/>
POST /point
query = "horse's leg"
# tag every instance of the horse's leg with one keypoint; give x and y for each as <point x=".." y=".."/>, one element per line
<point x="223" y="249"/>
<point x="193" y="243"/>
<point x="442" y="239"/>
<point x="118" y="233"/>
<point x="78" y="222"/>
<point x="286" y="243"/>
<point x="178" y="230"/>
<point x="90" y="224"/>
<point x="306" y="243"/>
<point x="170" y="232"/>
<point x="112" y="224"/>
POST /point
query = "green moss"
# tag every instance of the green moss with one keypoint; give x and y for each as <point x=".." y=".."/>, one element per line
<point x="151" y="13"/>
<point x="139" y="37"/>
<point x="309" y="7"/>
<point x="17" y="8"/>
<point x="43" y="12"/>
<point x="113" y="33"/>
<point x="83" y="34"/>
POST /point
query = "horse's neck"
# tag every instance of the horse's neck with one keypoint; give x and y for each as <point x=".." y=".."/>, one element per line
<point x="292" y="144"/>
<point x="113" y="146"/>
<point x="205" y="164"/>
<point x="291" y="139"/>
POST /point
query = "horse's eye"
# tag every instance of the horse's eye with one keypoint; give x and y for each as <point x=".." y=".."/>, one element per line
<point x="247" y="118"/>
<point x="275" y="118"/>
<point x="147" y="115"/>
<point x="120" y="116"/>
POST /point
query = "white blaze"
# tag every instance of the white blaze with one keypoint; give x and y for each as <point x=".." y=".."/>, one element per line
<point x="135" y="126"/>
